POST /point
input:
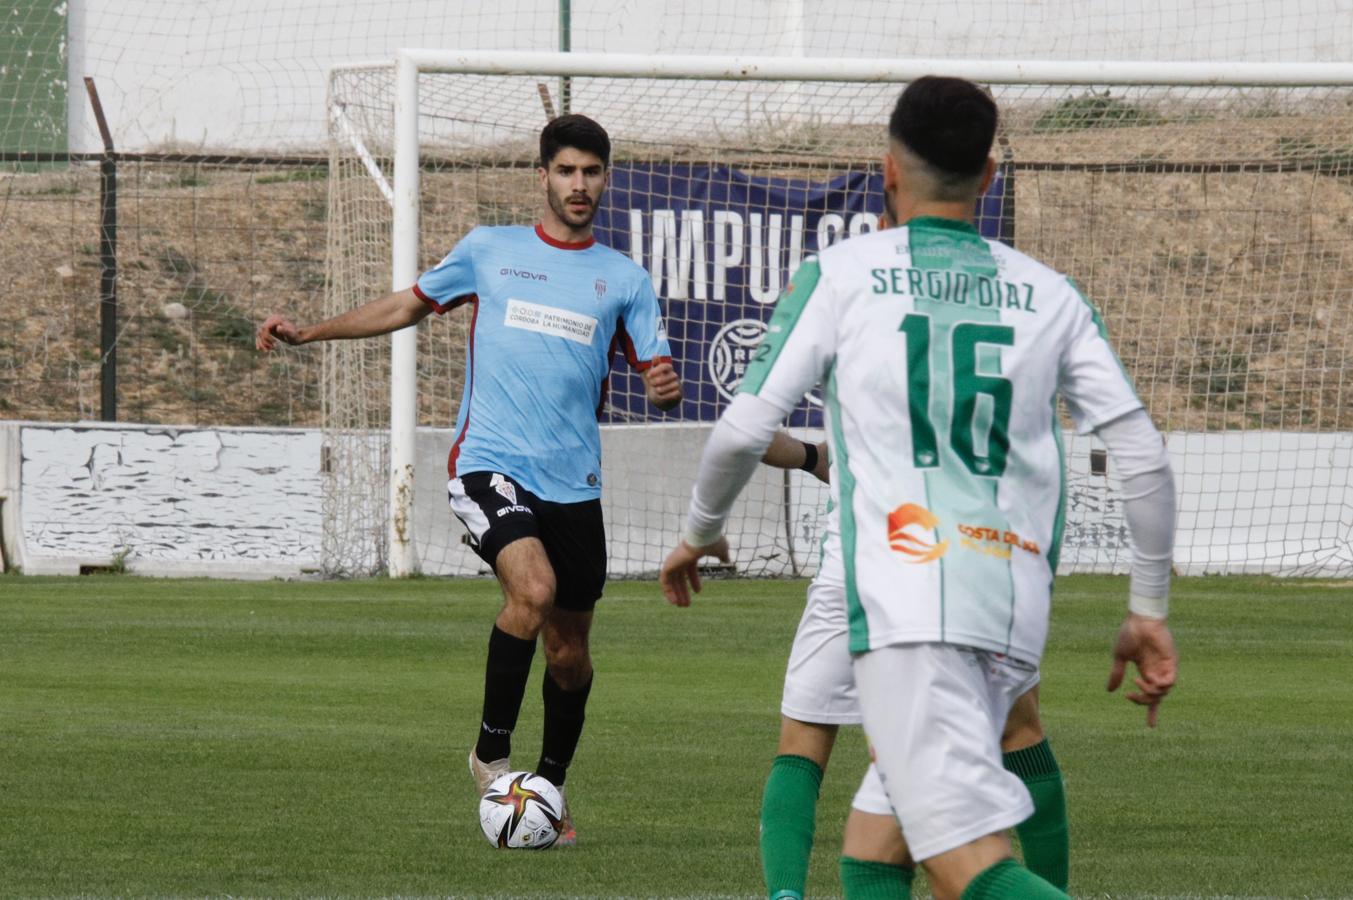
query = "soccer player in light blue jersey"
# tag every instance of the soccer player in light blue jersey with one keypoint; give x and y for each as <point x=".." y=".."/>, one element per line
<point x="549" y="308"/>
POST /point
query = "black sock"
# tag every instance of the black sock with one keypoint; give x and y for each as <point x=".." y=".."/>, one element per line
<point x="505" y="676"/>
<point x="564" y="714"/>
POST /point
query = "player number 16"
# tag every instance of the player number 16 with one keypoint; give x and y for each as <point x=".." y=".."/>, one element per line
<point x="967" y="385"/>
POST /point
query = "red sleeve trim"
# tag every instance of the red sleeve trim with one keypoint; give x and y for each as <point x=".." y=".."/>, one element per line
<point x="646" y="364"/>
<point x="440" y="308"/>
<point x="625" y="343"/>
<point x="563" y="245"/>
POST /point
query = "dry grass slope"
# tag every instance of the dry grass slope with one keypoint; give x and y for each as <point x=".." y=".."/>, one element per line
<point x="1219" y="250"/>
<point x="203" y="252"/>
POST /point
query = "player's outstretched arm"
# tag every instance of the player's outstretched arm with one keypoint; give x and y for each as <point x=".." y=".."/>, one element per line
<point x="784" y="452"/>
<point x="731" y="455"/>
<point x="1144" y="640"/>
<point x="663" y="385"/>
<point x="390" y="313"/>
<point x="787" y="452"/>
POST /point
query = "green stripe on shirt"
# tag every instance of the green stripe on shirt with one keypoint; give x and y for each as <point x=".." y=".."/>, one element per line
<point x="787" y="312"/>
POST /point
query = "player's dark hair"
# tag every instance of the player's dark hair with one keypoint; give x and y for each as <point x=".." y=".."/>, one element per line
<point x="948" y="122"/>
<point x="577" y="131"/>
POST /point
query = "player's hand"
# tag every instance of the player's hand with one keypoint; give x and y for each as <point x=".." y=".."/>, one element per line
<point x="681" y="568"/>
<point x="1148" y="644"/>
<point x="662" y="385"/>
<point x="276" y="328"/>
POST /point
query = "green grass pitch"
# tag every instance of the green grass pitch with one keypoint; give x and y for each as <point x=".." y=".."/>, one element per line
<point x="199" y="738"/>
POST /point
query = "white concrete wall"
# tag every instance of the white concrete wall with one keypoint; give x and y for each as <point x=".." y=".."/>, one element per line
<point x="235" y="503"/>
<point x="250" y="74"/>
<point x="245" y="503"/>
<point x="1248" y="502"/>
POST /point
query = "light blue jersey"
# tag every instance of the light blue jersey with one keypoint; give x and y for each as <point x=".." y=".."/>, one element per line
<point x="547" y="318"/>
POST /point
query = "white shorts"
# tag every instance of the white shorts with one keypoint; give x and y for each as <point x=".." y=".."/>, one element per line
<point x="934" y="714"/>
<point x="819" y="683"/>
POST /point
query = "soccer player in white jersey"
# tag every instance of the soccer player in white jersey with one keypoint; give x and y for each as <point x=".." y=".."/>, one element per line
<point x="550" y="306"/>
<point x="943" y="355"/>
<point x="819" y="697"/>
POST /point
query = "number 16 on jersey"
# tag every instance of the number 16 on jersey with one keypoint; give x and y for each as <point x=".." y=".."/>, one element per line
<point x="954" y="367"/>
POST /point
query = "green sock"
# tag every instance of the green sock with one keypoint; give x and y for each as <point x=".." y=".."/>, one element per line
<point x="863" y="879"/>
<point x="1043" y="836"/>
<point x="1008" y="880"/>
<point x="788" y="815"/>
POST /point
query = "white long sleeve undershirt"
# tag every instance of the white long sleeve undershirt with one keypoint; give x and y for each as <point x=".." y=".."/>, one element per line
<point x="743" y="433"/>
<point x="731" y="455"/>
<point x="1143" y="466"/>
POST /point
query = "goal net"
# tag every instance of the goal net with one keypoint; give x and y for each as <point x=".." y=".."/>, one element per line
<point x="1204" y="209"/>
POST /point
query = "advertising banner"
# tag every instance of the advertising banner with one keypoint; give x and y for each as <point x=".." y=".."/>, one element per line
<point x="720" y="246"/>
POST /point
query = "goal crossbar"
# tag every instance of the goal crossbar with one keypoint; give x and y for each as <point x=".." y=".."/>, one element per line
<point x="763" y="68"/>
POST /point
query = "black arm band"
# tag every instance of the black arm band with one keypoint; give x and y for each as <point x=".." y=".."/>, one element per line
<point x="809" y="456"/>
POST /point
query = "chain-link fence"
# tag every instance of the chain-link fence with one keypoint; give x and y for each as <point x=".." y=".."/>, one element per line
<point x="205" y="247"/>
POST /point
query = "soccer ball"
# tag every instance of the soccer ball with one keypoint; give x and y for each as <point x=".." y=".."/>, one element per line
<point x="521" y="811"/>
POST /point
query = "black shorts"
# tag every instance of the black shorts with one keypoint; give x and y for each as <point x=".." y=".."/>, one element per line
<point x="497" y="510"/>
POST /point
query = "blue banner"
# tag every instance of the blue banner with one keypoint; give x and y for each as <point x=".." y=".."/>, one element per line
<point x="720" y="245"/>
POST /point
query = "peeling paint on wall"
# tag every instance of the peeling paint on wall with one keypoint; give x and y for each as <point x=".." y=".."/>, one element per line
<point x="191" y="495"/>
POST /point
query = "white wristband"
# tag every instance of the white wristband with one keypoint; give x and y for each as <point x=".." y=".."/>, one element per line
<point x="700" y="540"/>
<point x="1149" y="607"/>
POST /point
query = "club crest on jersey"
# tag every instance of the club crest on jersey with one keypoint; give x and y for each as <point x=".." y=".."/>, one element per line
<point x="910" y="543"/>
<point x="505" y="488"/>
<point x="600" y="285"/>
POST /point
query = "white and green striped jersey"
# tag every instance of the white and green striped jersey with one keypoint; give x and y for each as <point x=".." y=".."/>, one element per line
<point x="942" y="355"/>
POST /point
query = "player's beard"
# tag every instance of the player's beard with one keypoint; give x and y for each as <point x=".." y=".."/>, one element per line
<point x="889" y="209"/>
<point x="569" y="217"/>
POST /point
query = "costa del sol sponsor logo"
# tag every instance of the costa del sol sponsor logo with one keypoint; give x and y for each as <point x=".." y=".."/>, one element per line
<point x="731" y="351"/>
<point x="994" y="541"/>
<point x="909" y="527"/>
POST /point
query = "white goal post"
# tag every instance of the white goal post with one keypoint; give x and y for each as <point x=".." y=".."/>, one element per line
<point x="1210" y="322"/>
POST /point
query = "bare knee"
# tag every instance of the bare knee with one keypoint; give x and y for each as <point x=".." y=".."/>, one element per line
<point x="568" y="659"/>
<point x="535" y="592"/>
<point x="876" y="838"/>
<point x="528" y="600"/>
<point x="806" y="739"/>
<point x="1023" y="727"/>
<point x="952" y="871"/>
